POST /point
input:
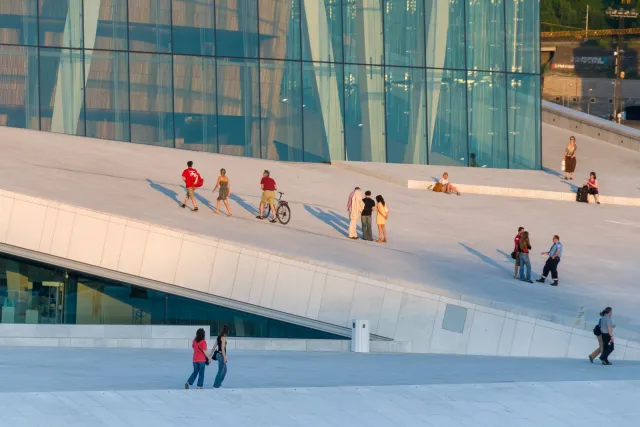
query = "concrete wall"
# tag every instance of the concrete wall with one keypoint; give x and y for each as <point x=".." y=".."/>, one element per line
<point x="416" y="320"/>
<point x="584" y="124"/>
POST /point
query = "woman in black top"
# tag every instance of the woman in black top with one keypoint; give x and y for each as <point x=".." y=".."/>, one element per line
<point x="221" y="349"/>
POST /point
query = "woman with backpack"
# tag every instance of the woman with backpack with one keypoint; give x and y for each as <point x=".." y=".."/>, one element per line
<point x="605" y="327"/>
<point x="219" y="354"/>
<point x="200" y="359"/>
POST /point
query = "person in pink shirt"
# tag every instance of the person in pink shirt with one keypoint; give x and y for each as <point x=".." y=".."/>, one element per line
<point x="200" y="359"/>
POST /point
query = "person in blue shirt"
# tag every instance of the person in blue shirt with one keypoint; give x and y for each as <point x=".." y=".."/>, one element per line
<point x="555" y="253"/>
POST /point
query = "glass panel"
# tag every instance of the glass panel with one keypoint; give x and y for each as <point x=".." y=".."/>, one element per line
<point x="61" y="23"/>
<point x="524" y="121"/>
<point x="238" y="107"/>
<point x="487" y="119"/>
<point x="406" y="110"/>
<point x="237" y="28"/>
<point x="485" y="35"/>
<point x="445" y="26"/>
<point x="322" y="30"/>
<point x="19" y="87"/>
<point x="364" y="113"/>
<point x="193" y="27"/>
<point x="323" y="107"/>
<point x="105" y="24"/>
<point x="404" y="32"/>
<point x="195" y="103"/>
<point x="279" y="29"/>
<point x="363" y="31"/>
<point x="523" y="36"/>
<point x="30" y="294"/>
<point x="447" y="118"/>
<point x="150" y="25"/>
<point x="107" y="95"/>
<point x="61" y="91"/>
<point x="151" y="99"/>
<point x="281" y="110"/>
<point x="18" y="22"/>
<point x="37" y="293"/>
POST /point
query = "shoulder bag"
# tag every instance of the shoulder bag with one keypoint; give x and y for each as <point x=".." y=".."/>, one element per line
<point x="206" y="359"/>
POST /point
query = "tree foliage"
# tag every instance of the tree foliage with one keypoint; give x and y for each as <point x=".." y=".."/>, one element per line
<point x="572" y="13"/>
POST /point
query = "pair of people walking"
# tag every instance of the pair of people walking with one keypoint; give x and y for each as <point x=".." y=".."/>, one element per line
<point x="193" y="180"/>
<point x="201" y="359"/>
<point x="604" y="332"/>
<point x="363" y="209"/>
<point x="521" y="255"/>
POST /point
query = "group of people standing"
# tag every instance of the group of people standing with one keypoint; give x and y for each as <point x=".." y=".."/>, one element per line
<point x="193" y="180"/>
<point x="362" y="208"/>
<point x="201" y="359"/>
<point x="521" y="251"/>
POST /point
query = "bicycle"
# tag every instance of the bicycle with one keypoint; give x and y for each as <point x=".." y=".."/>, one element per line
<point x="283" y="212"/>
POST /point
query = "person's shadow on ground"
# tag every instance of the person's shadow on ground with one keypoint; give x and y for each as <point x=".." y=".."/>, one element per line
<point x="573" y="187"/>
<point x="484" y="258"/>
<point x="166" y="191"/>
<point x="332" y="219"/>
<point x="244" y="204"/>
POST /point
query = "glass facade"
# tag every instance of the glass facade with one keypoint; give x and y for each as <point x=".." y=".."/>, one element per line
<point x="36" y="293"/>
<point x="446" y="82"/>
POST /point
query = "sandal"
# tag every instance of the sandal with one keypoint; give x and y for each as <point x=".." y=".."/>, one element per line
<point x="195" y="209"/>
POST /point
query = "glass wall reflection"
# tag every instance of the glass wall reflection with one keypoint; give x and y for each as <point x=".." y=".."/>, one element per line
<point x="37" y="293"/>
<point x="406" y="81"/>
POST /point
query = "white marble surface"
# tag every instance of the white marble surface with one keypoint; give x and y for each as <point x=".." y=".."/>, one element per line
<point x="531" y="404"/>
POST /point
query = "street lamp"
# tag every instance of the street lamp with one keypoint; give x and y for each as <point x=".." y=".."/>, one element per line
<point x="589" y="102"/>
<point x="621" y="14"/>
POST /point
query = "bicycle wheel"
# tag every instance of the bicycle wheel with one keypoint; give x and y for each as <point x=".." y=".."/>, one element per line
<point x="283" y="214"/>
<point x="267" y="211"/>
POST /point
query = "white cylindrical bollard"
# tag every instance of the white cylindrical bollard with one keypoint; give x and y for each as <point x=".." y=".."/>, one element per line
<point x="360" y="335"/>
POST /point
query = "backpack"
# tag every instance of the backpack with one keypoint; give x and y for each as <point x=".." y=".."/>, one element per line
<point x="597" y="331"/>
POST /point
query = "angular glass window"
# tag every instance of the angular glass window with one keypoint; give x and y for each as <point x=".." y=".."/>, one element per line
<point x="447" y="117"/>
<point x="193" y="27"/>
<point x="151" y="99"/>
<point x="150" y="26"/>
<point x="523" y="92"/>
<point x="523" y="36"/>
<point x="62" y="91"/>
<point x="485" y="35"/>
<point x="363" y="38"/>
<point x="279" y="29"/>
<point x="487" y="111"/>
<point x="61" y="23"/>
<point x="238" y="107"/>
<point x="195" y="103"/>
<point x="364" y="113"/>
<point x="323" y="106"/>
<point x="105" y="24"/>
<point x="19" y="22"/>
<point x="445" y="33"/>
<point x="281" y="110"/>
<point x="19" y="87"/>
<point x="237" y="28"/>
<point x="322" y="30"/>
<point x="406" y="111"/>
<point x="107" y="95"/>
<point x="404" y="25"/>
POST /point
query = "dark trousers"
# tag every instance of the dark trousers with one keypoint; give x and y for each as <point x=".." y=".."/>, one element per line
<point x="551" y="266"/>
<point x="607" y="347"/>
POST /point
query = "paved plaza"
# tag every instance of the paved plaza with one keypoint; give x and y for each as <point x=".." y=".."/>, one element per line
<point x="41" y="387"/>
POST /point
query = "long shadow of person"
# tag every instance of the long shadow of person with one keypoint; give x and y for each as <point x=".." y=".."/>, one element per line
<point x="573" y="187"/>
<point x="202" y="199"/>
<point x="166" y="191"/>
<point x="244" y="204"/>
<point x="332" y="219"/>
<point x="485" y="258"/>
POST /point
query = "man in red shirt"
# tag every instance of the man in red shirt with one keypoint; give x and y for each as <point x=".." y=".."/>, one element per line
<point x="192" y="180"/>
<point x="269" y="187"/>
<point x="516" y="249"/>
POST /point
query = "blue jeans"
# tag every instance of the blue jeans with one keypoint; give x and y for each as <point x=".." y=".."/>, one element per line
<point x="222" y="371"/>
<point x="198" y="371"/>
<point x="367" y="233"/>
<point x="524" y="262"/>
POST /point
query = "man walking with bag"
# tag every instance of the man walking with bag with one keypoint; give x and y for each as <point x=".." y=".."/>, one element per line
<point x="192" y="180"/>
<point x="555" y="253"/>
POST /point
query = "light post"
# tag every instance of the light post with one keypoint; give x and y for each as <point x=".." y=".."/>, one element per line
<point x="589" y="102"/>
<point x="621" y="14"/>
